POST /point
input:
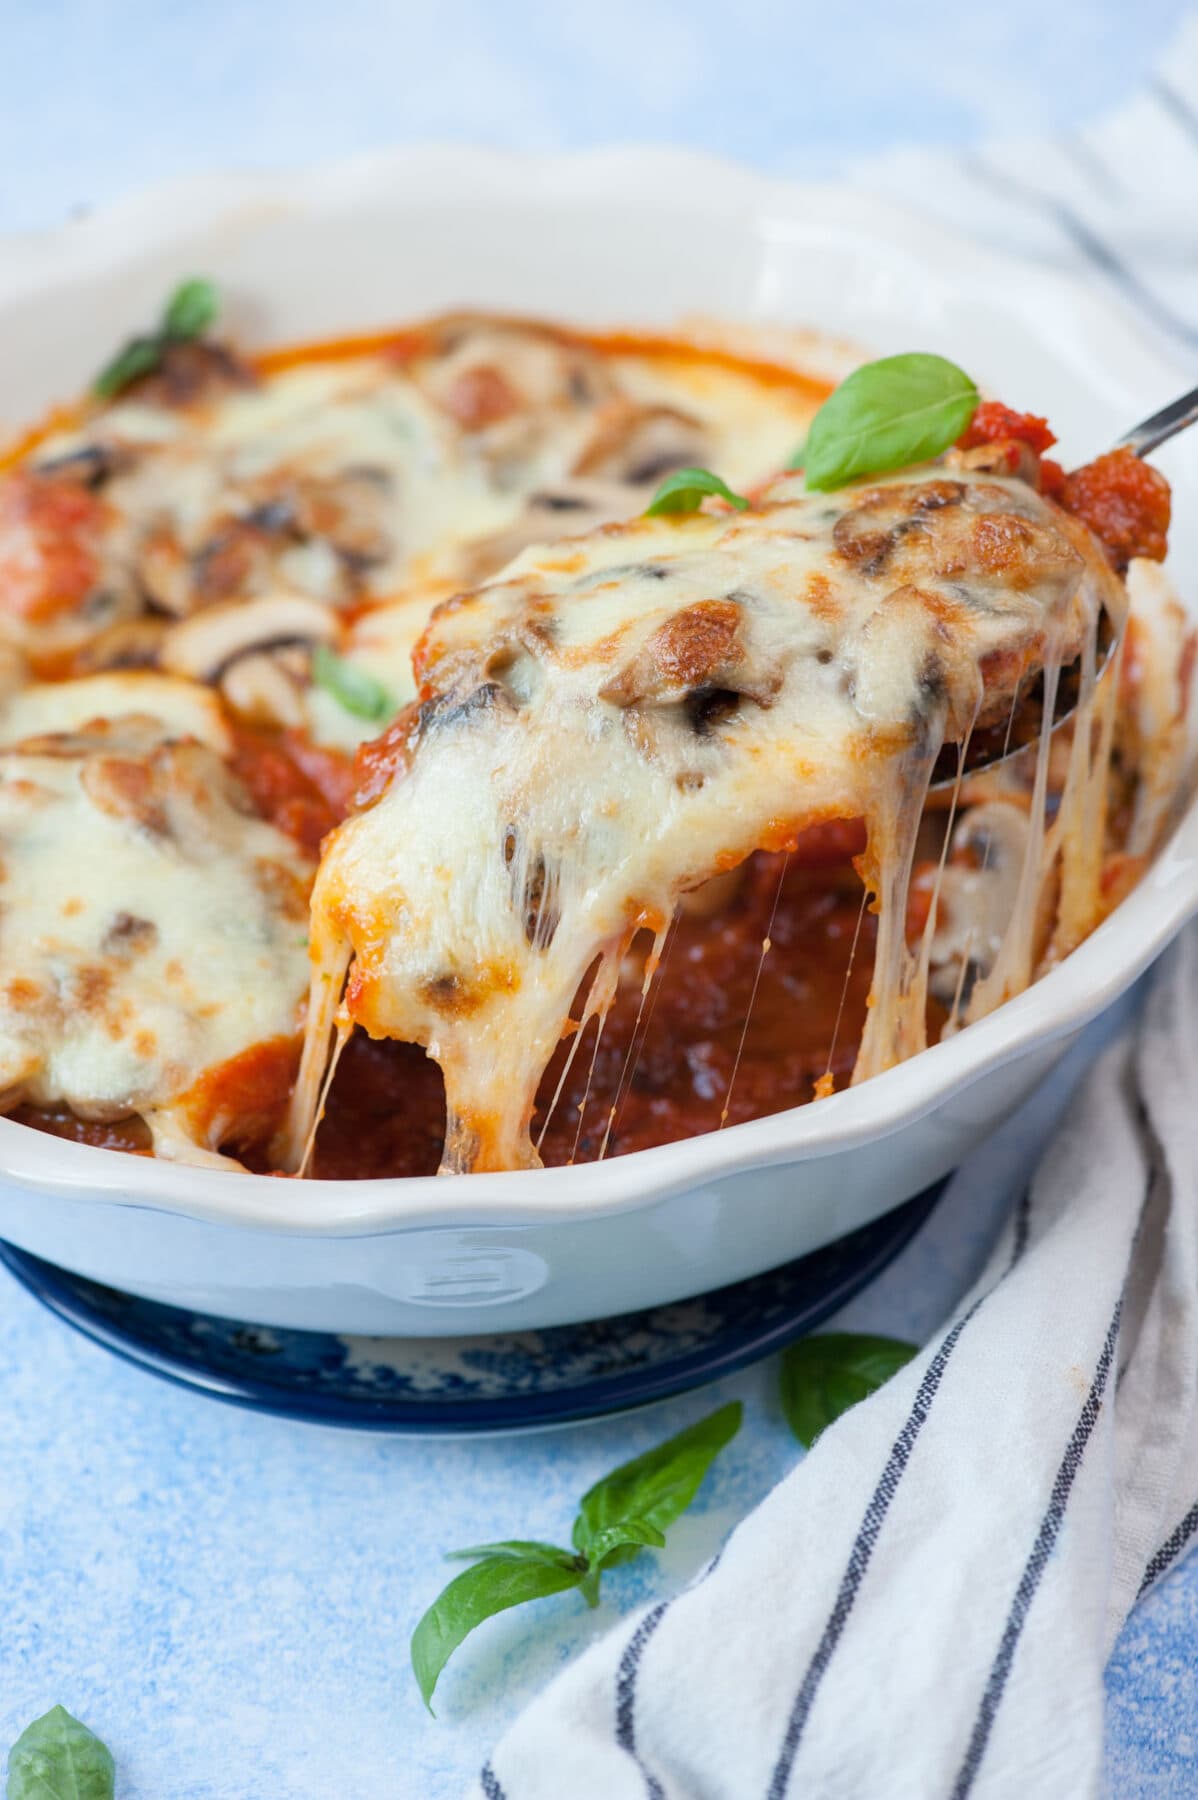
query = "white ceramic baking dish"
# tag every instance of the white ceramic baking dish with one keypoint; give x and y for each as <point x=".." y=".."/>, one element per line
<point x="628" y="236"/>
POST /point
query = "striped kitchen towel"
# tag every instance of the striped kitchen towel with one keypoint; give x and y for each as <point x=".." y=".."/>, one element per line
<point x="923" y="1609"/>
<point x="925" y="1606"/>
<point x="1116" y="202"/>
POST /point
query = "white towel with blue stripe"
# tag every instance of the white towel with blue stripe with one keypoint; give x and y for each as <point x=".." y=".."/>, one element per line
<point x="924" y="1608"/>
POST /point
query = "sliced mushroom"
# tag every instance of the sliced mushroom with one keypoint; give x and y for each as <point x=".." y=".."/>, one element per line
<point x="1006" y="457"/>
<point x="566" y="509"/>
<point x="129" y="644"/>
<point x="261" y="691"/>
<point x="164" y="571"/>
<point x="540" y="366"/>
<point x="639" y="444"/>
<point x="204" y="645"/>
<point x="92" y="464"/>
<point x="191" y="371"/>
<point x="701" y="657"/>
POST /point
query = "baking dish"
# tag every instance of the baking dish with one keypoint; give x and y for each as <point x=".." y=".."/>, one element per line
<point x="618" y="237"/>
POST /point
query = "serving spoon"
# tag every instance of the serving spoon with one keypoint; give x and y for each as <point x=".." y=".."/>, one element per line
<point x="998" y="744"/>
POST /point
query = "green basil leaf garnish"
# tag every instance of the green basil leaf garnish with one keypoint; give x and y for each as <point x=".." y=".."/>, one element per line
<point x="57" y="1758"/>
<point x="189" y="312"/>
<point x="139" y="357"/>
<point x="685" y="491"/>
<point x="517" y="1550"/>
<point x="629" y="1536"/>
<point x="478" y="1593"/>
<point x="626" y="1512"/>
<point x="351" y="687"/>
<point x="191" y="309"/>
<point x="825" y="1375"/>
<point x="653" y="1490"/>
<point x="888" y="415"/>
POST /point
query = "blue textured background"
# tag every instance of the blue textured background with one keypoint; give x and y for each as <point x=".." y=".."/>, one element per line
<point x="227" y="1599"/>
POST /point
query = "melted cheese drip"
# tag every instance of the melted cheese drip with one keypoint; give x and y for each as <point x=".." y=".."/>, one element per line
<point x="625" y="715"/>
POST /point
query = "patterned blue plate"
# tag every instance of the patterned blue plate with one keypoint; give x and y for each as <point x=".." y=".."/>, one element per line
<point x="449" y="1386"/>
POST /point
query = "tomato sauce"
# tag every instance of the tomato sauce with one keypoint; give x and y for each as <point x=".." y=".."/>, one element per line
<point x="131" y="1135"/>
<point x="1125" y="502"/>
<point x="994" y="423"/>
<point x="299" y="786"/>
<point x="673" y="1078"/>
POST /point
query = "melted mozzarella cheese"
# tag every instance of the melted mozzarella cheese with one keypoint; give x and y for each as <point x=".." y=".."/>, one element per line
<point x="184" y="709"/>
<point x="151" y="932"/>
<point x="372" y="479"/>
<point x="622" y="716"/>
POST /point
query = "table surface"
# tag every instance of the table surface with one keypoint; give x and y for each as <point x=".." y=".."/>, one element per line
<point x="227" y="1598"/>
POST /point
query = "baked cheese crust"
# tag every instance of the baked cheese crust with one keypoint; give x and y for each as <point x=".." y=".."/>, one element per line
<point x="622" y="716"/>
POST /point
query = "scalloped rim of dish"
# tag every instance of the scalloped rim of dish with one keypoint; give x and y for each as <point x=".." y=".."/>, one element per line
<point x="1060" y="1003"/>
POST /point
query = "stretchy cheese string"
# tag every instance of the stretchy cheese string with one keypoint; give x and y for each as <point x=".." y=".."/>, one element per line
<point x="893" y="1028"/>
<point x="606" y="983"/>
<point x="744" y="1031"/>
<point x="929" y="930"/>
<point x="651" y="983"/>
<point x="824" y="1085"/>
<point x="952" y="1024"/>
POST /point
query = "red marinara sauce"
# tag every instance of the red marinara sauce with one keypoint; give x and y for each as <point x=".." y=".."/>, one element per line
<point x="787" y="1015"/>
<point x="994" y="423"/>
<point x="299" y="786"/>
<point x="1126" y="503"/>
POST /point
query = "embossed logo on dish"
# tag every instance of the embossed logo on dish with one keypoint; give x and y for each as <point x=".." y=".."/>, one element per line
<point x="473" y="1275"/>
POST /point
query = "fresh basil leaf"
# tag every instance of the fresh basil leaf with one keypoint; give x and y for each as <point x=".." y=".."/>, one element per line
<point x="478" y="1593"/>
<point x="517" y="1550"/>
<point x="351" y="687"/>
<point x="825" y="1375"/>
<point x="888" y="415"/>
<point x="191" y="309"/>
<point x="636" y="1534"/>
<point x="650" y="1492"/>
<point x="57" y="1758"/>
<point x="685" y="491"/>
<point x="140" y="356"/>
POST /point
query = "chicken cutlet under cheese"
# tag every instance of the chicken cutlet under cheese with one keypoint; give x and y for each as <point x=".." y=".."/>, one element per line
<point x="151" y="928"/>
<point x="623" y="715"/>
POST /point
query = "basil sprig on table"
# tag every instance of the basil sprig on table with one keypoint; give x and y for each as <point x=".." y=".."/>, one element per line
<point x="627" y="1510"/>
<point x="887" y="415"/>
<point x="825" y="1375"/>
<point x="685" y="491"/>
<point x="57" y="1758"/>
<point x="353" y="689"/>
<point x="189" y="312"/>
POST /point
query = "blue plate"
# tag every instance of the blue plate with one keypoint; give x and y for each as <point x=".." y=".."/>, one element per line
<point x="446" y="1386"/>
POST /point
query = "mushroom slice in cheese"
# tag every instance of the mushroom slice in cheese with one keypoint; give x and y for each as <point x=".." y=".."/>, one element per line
<point x="621" y="716"/>
<point x="152" y="930"/>
<point x="181" y="708"/>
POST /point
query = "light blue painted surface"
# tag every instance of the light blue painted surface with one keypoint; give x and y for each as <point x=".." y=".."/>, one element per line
<point x="101" y="96"/>
<point x="226" y="1598"/>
